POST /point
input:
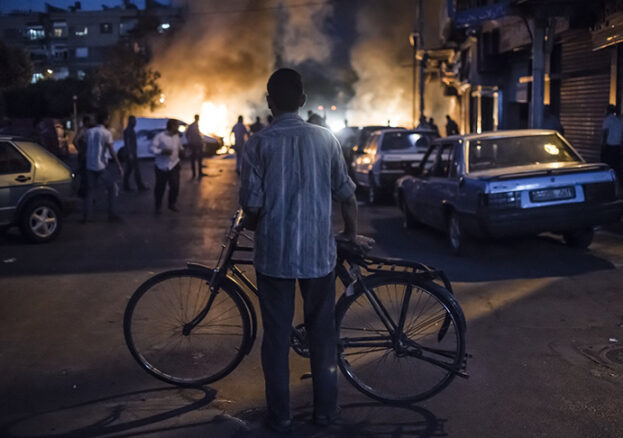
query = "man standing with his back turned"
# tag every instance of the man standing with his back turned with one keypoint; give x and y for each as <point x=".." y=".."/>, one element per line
<point x="291" y="171"/>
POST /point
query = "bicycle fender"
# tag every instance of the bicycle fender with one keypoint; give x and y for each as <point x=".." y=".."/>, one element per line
<point x="237" y="287"/>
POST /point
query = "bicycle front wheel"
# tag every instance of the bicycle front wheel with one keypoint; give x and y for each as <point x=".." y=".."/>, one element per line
<point x="414" y="359"/>
<point x="154" y="324"/>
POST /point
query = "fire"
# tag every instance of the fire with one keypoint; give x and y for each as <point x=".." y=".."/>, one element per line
<point x="214" y="119"/>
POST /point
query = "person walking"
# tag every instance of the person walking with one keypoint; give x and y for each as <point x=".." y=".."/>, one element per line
<point x="612" y="135"/>
<point x="99" y="144"/>
<point x="131" y="160"/>
<point x="257" y="126"/>
<point x="80" y="143"/>
<point x="290" y="206"/>
<point x="451" y="127"/>
<point x="167" y="148"/>
<point x="195" y="142"/>
<point x="240" y="137"/>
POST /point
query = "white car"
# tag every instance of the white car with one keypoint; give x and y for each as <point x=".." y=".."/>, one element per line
<point x="147" y="128"/>
<point x="385" y="157"/>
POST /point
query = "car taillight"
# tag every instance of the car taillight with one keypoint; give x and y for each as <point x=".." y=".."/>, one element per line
<point x="600" y="192"/>
<point x="503" y="200"/>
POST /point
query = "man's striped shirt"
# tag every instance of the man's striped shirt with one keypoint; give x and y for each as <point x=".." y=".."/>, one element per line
<point x="291" y="171"/>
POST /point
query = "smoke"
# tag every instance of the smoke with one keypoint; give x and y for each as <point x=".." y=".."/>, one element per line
<point x="382" y="60"/>
<point x="354" y="56"/>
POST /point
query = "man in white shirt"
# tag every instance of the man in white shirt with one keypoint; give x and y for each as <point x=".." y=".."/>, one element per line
<point x="99" y="145"/>
<point x="612" y="134"/>
<point x="167" y="147"/>
<point x="240" y="137"/>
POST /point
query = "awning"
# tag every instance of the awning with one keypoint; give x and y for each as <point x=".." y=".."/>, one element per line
<point x="609" y="32"/>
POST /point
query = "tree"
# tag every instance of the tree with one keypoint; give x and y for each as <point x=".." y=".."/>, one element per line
<point x="126" y="81"/>
<point x="15" y="67"/>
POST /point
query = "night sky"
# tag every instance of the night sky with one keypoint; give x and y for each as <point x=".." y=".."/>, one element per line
<point x="39" y="5"/>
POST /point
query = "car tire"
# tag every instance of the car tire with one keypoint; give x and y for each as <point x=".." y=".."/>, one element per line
<point x="40" y="220"/>
<point x="409" y="221"/>
<point x="373" y="191"/>
<point x="456" y="234"/>
<point x="581" y="238"/>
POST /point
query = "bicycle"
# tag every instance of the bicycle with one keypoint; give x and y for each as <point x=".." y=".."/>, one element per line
<point x="401" y="333"/>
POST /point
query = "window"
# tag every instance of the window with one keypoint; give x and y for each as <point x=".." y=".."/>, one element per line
<point x="11" y="160"/>
<point x="495" y="153"/>
<point x="59" y="29"/>
<point x="105" y="28"/>
<point x="437" y="161"/>
<point x="36" y="77"/>
<point x="82" y="52"/>
<point x="81" y="31"/>
<point x="397" y="142"/>
<point x="60" y="52"/>
<point x="34" y="33"/>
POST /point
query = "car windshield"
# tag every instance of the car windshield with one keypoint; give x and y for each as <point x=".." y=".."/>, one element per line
<point x="396" y="142"/>
<point x="495" y="153"/>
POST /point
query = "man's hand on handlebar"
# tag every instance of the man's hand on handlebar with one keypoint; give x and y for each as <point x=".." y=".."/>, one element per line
<point x="361" y="242"/>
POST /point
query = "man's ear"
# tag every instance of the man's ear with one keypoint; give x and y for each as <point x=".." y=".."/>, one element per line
<point x="302" y="100"/>
<point x="269" y="101"/>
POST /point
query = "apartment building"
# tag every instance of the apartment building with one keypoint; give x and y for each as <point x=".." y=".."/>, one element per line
<point x="69" y="43"/>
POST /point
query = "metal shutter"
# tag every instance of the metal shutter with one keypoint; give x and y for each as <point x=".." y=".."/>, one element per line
<point x="584" y="92"/>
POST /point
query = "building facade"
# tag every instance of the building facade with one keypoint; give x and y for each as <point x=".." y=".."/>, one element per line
<point x="515" y="63"/>
<point x="70" y="43"/>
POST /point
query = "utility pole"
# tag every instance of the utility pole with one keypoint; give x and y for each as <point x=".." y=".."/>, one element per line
<point x="423" y="60"/>
<point x="538" y="73"/>
<point x="413" y="39"/>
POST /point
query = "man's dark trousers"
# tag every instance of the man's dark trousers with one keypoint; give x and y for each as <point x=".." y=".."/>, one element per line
<point x="611" y="155"/>
<point x="277" y="305"/>
<point x="164" y="177"/>
<point x="131" y="165"/>
<point x="196" y="159"/>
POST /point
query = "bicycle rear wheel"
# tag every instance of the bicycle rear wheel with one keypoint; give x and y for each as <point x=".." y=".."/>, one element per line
<point x="403" y="365"/>
<point x="154" y="321"/>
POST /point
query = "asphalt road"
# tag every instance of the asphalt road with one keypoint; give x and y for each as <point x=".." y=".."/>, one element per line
<point x="545" y="329"/>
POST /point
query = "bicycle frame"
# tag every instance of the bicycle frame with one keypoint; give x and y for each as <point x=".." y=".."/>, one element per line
<point x="350" y="278"/>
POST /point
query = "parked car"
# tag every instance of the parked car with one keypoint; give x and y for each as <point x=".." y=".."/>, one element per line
<point x="35" y="189"/>
<point x="385" y="156"/>
<point x="509" y="183"/>
<point x="146" y="129"/>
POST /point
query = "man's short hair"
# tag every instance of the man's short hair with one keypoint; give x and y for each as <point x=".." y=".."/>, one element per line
<point x="196" y="116"/>
<point x="131" y="118"/>
<point x="172" y="123"/>
<point x="285" y="88"/>
<point x="101" y="117"/>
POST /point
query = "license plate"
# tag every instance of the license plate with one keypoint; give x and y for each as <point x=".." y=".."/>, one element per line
<point x="556" y="194"/>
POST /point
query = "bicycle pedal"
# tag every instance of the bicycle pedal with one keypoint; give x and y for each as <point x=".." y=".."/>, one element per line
<point x="462" y="374"/>
<point x="306" y="376"/>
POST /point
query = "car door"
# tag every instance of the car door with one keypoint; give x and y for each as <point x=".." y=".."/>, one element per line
<point x="417" y="190"/>
<point x="441" y="188"/>
<point x="16" y="177"/>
